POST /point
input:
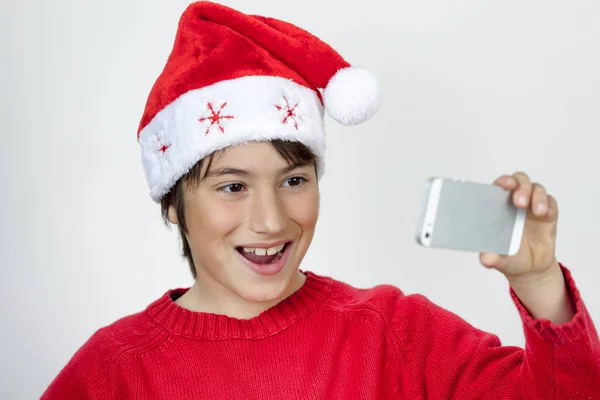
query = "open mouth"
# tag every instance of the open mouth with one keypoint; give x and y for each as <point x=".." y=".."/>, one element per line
<point x="263" y="256"/>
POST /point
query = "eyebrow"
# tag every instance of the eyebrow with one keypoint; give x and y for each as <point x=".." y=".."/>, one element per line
<point x="245" y="173"/>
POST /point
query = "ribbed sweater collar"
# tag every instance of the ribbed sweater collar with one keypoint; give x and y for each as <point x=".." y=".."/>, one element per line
<point x="207" y="326"/>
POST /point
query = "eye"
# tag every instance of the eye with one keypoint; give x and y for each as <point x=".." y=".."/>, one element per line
<point x="232" y="188"/>
<point x="294" y="181"/>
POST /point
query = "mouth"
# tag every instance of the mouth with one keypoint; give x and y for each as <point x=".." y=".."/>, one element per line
<point x="266" y="260"/>
<point x="264" y="255"/>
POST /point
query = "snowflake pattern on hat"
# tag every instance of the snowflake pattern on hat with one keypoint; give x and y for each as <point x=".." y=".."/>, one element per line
<point x="290" y="114"/>
<point x="215" y="117"/>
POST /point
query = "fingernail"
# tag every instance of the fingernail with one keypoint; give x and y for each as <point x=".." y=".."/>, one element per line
<point x="541" y="208"/>
<point x="522" y="200"/>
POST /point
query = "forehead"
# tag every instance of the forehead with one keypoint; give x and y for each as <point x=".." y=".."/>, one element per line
<point x="249" y="154"/>
<point x="253" y="158"/>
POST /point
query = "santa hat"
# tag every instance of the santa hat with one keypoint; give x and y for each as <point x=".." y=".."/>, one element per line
<point x="232" y="78"/>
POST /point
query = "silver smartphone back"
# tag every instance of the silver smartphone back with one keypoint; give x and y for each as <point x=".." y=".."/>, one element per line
<point x="470" y="216"/>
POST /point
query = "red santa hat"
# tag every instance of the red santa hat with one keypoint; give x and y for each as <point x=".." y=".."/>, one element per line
<point x="232" y="78"/>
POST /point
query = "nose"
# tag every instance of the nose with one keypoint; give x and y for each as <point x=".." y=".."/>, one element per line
<point x="268" y="215"/>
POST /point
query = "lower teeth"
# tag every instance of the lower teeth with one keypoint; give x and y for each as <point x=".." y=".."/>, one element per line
<point x="276" y="258"/>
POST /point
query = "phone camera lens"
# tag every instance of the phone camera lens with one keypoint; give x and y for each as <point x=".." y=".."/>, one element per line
<point x="427" y="235"/>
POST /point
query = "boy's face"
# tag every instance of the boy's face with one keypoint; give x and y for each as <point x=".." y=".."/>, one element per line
<point x="250" y="222"/>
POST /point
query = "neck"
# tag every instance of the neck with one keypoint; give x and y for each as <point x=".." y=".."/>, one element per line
<point x="207" y="296"/>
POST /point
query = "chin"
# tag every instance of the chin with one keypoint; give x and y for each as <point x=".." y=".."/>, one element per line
<point x="268" y="289"/>
<point x="265" y="293"/>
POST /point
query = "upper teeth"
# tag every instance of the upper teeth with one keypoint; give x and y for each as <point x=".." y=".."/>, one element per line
<point x="261" y="251"/>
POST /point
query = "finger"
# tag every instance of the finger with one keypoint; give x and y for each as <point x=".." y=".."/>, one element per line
<point x="539" y="200"/>
<point x="522" y="195"/>
<point x="507" y="182"/>
<point x="552" y="208"/>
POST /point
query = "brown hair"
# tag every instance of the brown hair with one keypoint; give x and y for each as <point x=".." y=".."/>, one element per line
<point x="292" y="152"/>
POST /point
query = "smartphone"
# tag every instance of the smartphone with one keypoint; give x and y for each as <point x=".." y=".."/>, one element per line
<point x="470" y="216"/>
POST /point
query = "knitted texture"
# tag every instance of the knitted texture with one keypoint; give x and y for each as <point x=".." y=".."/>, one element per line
<point x="332" y="341"/>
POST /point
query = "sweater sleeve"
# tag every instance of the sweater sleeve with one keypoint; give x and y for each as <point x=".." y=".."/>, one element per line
<point x="84" y="376"/>
<point x="446" y="358"/>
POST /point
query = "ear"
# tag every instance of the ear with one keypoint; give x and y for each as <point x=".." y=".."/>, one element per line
<point x="172" y="215"/>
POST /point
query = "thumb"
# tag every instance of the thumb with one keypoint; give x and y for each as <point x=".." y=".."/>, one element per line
<point x="490" y="260"/>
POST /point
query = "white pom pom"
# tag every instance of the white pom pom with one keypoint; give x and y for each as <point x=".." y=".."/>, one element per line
<point x="352" y="96"/>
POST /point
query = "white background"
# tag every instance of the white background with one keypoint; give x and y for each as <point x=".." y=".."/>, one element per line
<point x="473" y="89"/>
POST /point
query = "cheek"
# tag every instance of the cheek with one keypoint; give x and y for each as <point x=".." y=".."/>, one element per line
<point x="304" y="210"/>
<point x="212" y="222"/>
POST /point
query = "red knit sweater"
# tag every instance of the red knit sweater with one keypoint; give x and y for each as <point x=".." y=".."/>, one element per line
<point x="331" y="341"/>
